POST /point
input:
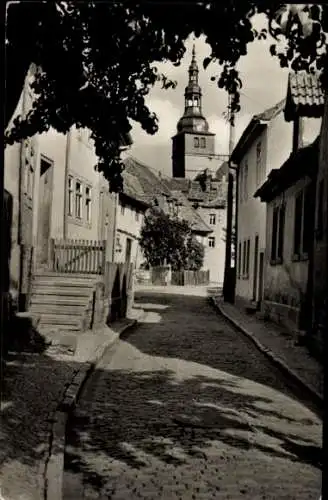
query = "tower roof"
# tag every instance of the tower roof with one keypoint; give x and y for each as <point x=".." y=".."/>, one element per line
<point x="193" y="119"/>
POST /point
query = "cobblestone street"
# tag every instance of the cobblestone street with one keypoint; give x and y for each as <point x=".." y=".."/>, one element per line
<point x="185" y="407"/>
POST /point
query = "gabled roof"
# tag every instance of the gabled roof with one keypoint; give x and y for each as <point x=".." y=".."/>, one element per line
<point x="300" y="164"/>
<point x="305" y="96"/>
<point x="188" y="213"/>
<point x="215" y="196"/>
<point x="178" y="183"/>
<point x="151" y="184"/>
<point x="256" y="125"/>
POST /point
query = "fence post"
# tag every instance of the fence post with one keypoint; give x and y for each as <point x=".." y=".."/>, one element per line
<point x="103" y="257"/>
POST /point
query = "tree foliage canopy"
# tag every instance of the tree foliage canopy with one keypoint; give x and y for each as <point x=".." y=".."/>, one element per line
<point x="169" y="240"/>
<point x="96" y="61"/>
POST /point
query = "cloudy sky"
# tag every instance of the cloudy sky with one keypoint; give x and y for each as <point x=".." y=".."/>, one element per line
<point x="264" y="84"/>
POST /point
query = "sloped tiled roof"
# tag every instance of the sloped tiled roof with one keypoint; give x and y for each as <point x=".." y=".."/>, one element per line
<point x="188" y="213"/>
<point x="132" y="186"/>
<point x="270" y="113"/>
<point x="178" y="183"/>
<point x="215" y="196"/>
<point x="304" y="95"/>
<point x="151" y="184"/>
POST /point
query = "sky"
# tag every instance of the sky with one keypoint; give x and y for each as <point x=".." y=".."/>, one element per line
<point x="264" y="84"/>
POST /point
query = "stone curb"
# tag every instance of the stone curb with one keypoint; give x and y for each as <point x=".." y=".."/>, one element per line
<point x="54" y="468"/>
<point x="317" y="398"/>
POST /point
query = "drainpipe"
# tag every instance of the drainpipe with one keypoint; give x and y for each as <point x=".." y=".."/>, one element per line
<point x="67" y="165"/>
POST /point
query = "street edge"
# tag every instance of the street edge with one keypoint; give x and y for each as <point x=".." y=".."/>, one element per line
<point x="54" y="467"/>
<point x="317" y="398"/>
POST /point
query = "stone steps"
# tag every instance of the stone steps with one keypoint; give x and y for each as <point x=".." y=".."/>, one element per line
<point x="60" y="300"/>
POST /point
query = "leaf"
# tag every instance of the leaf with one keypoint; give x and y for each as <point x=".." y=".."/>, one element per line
<point x="206" y="62"/>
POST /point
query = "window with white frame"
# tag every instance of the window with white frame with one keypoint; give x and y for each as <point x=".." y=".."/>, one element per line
<point x="88" y="203"/>
<point x="212" y="219"/>
<point x="70" y="197"/>
<point x="78" y="199"/>
<point x="211" y="241"/>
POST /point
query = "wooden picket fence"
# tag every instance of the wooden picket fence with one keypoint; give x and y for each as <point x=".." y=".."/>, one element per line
<point x="77" y="256"/>
<point x="190" y="278"/>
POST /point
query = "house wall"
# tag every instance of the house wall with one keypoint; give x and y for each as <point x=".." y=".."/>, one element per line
<point x="15" y="157"/>
<point x="214" y="257"/>
<point x="320" y="271"/>
<point x="129" y="223"/>
<point x="285" y="283"/>
<point x="276" y="146"/>
<point x="310" y="129"/>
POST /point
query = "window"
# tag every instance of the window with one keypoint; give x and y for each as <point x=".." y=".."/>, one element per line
<point x="244" y="258"/>
<point x="245" y="180"/>
<point x="239" y="259"/>
<point x="70" y="198"/>
<point x="78" y="200"/>
<point x="258" y="163"/>
<point x="211" y="241"/>
<point x="241" y="185"/>
<point x="88" y="203"/>
<point x="277" y="235"/>
<point x="303" y="223"/>
<point x="248" y="244"/>
<point x="298" y="223"/>
<point x="212" y="219"/>
<point x="281" y="222"/>
<point x="189" y="103"/>
<point x="196" y="142"/>
<point x="122" y="209"/>
<point x="196" y="102"/>
<point x="202" y="142"/>
<point x="137" y="215"/>
<point x="320" y="217"/>
<point x="193" y="77"/>
<point x="307" y="222"/>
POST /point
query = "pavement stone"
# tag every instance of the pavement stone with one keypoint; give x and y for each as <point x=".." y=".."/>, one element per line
<point x="281" y="343"/>
<point x="33" y="386"/>
<point x="186" y="407"/>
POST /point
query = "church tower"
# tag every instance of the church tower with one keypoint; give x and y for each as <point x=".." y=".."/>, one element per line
<point x="193" y="146"/>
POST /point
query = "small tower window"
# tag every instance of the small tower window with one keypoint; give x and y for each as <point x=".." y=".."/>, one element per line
<point x="189" y="102"/>
<point x="193" y="78"/>
<point x="196" y="103"/>
<point x="196" y="142"/>
<point x="202" y="142"/>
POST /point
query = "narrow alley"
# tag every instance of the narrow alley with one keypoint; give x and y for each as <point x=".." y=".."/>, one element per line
<point x="185" y="407"/>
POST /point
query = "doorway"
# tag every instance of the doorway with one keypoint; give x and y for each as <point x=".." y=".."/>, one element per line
<point x="45" y="206"/>
<point x="128" y="250"/>
<point x="255" y="271"/>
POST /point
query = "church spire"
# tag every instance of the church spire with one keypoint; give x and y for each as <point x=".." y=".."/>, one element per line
<point x="192" y="118"/>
